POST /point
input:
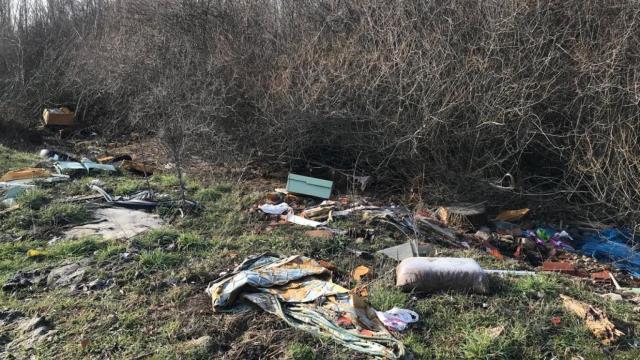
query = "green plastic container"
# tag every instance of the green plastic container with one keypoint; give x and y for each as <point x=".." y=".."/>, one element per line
<point x="305" y="185"/>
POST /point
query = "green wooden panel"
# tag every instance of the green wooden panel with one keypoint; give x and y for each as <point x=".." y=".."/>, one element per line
<point x="305" y="185"/>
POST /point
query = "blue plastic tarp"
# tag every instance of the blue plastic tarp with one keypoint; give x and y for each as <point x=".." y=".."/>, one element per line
<point x="612" y="245"/>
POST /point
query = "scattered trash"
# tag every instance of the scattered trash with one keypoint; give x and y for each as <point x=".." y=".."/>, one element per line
<point x="406" y="250"/>
<point x="463" y="216"/>
<point x="305" y="185"/>
<point x="361" y="272"/>
<point x="556" y="320"/>
<point x="511" y="272"/>
<point x="596" y="320"/>
<point x="49" y="154"/>
<point x="62" y="116"/>
<point x="561" y="267"/>
<point x="110" y="159"/>
<point x="612" y="245"/>
<point x="10" y="198"/>
<point x="298" y="220"/>
<point x="72" y="168"/>
<point x="429" y="274"/>
<point x="136" y="166"/>
<point x="138" y="201"/>
<point x="116" y="223"/>
<point x="601" y="277"/>
<point x="299" y="291"/>
<point x="495" y="331"/>
<point x="36" y="253"/>
<point x="25" y="174"/>
<point x="320" y="212"/>
<point x="275" y="209"/>
<point x="398" y="319"/>
<point x="512" y="215"/>
<point x="612" y="297"/>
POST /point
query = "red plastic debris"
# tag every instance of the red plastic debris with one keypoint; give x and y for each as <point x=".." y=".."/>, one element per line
<point x="561" y="267"/>
<point x="555" y="320"/>
<point x="601" y="277"/>
<point x="493" y="251"/>
<point x="366" y="332"/>
<point x="344" y="321"/>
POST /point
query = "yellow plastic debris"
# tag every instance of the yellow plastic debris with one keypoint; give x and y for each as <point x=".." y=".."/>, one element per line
<point x="36" y="253"/>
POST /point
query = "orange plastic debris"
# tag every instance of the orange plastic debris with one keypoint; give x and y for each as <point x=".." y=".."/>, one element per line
<point x="360" y="272"/>
<point x="493" y="251"/>
<point x="25" y="174"/>
<point x="556" y="320"/>
<point x="512" y="215"/>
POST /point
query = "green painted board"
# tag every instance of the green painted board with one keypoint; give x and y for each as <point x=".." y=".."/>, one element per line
<point x="305" y="185"/>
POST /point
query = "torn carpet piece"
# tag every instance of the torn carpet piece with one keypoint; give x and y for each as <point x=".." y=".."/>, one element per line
<point x="299" y="291"/>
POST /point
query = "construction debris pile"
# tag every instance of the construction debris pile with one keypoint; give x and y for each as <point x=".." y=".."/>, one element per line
<point x="119" y="217"/>
<point x="591" y="254"/>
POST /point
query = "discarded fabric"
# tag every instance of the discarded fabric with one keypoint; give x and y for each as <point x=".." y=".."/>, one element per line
<point x="116" y="223"/>
<point x="299" y="291"/>
<point x="398" y="319"/>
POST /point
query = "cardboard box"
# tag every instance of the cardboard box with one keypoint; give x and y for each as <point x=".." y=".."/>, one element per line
<point x="61" y="116"/>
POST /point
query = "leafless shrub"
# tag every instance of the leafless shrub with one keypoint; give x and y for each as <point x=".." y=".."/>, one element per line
<point x="413" y="92"/>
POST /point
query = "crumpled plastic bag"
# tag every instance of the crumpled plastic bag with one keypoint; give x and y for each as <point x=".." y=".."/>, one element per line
<point x="397" y="319"/>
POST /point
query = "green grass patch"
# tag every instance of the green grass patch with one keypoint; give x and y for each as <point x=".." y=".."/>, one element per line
<point x="76" y="248"/>
<point x="128" y="186"/>
<point x="157" y="238"/>
<point x="192" y="242"/>
<point x="57" y="214"/>
<point x="159" y="259"/>
<point x="300" y="351"/>
<point x="384" y="298"/>
<point x="11" y="159"/>
<point x="35" y="198"/>
<point x="109" y="252"/>
<point x="207" y="195"/>
<point x="165" y="180"/>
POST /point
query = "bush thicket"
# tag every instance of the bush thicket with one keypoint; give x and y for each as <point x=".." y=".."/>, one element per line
<point x="424" y="92"/>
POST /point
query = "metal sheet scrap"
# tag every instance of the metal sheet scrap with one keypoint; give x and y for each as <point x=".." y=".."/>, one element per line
<point x="300" y="291"/>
